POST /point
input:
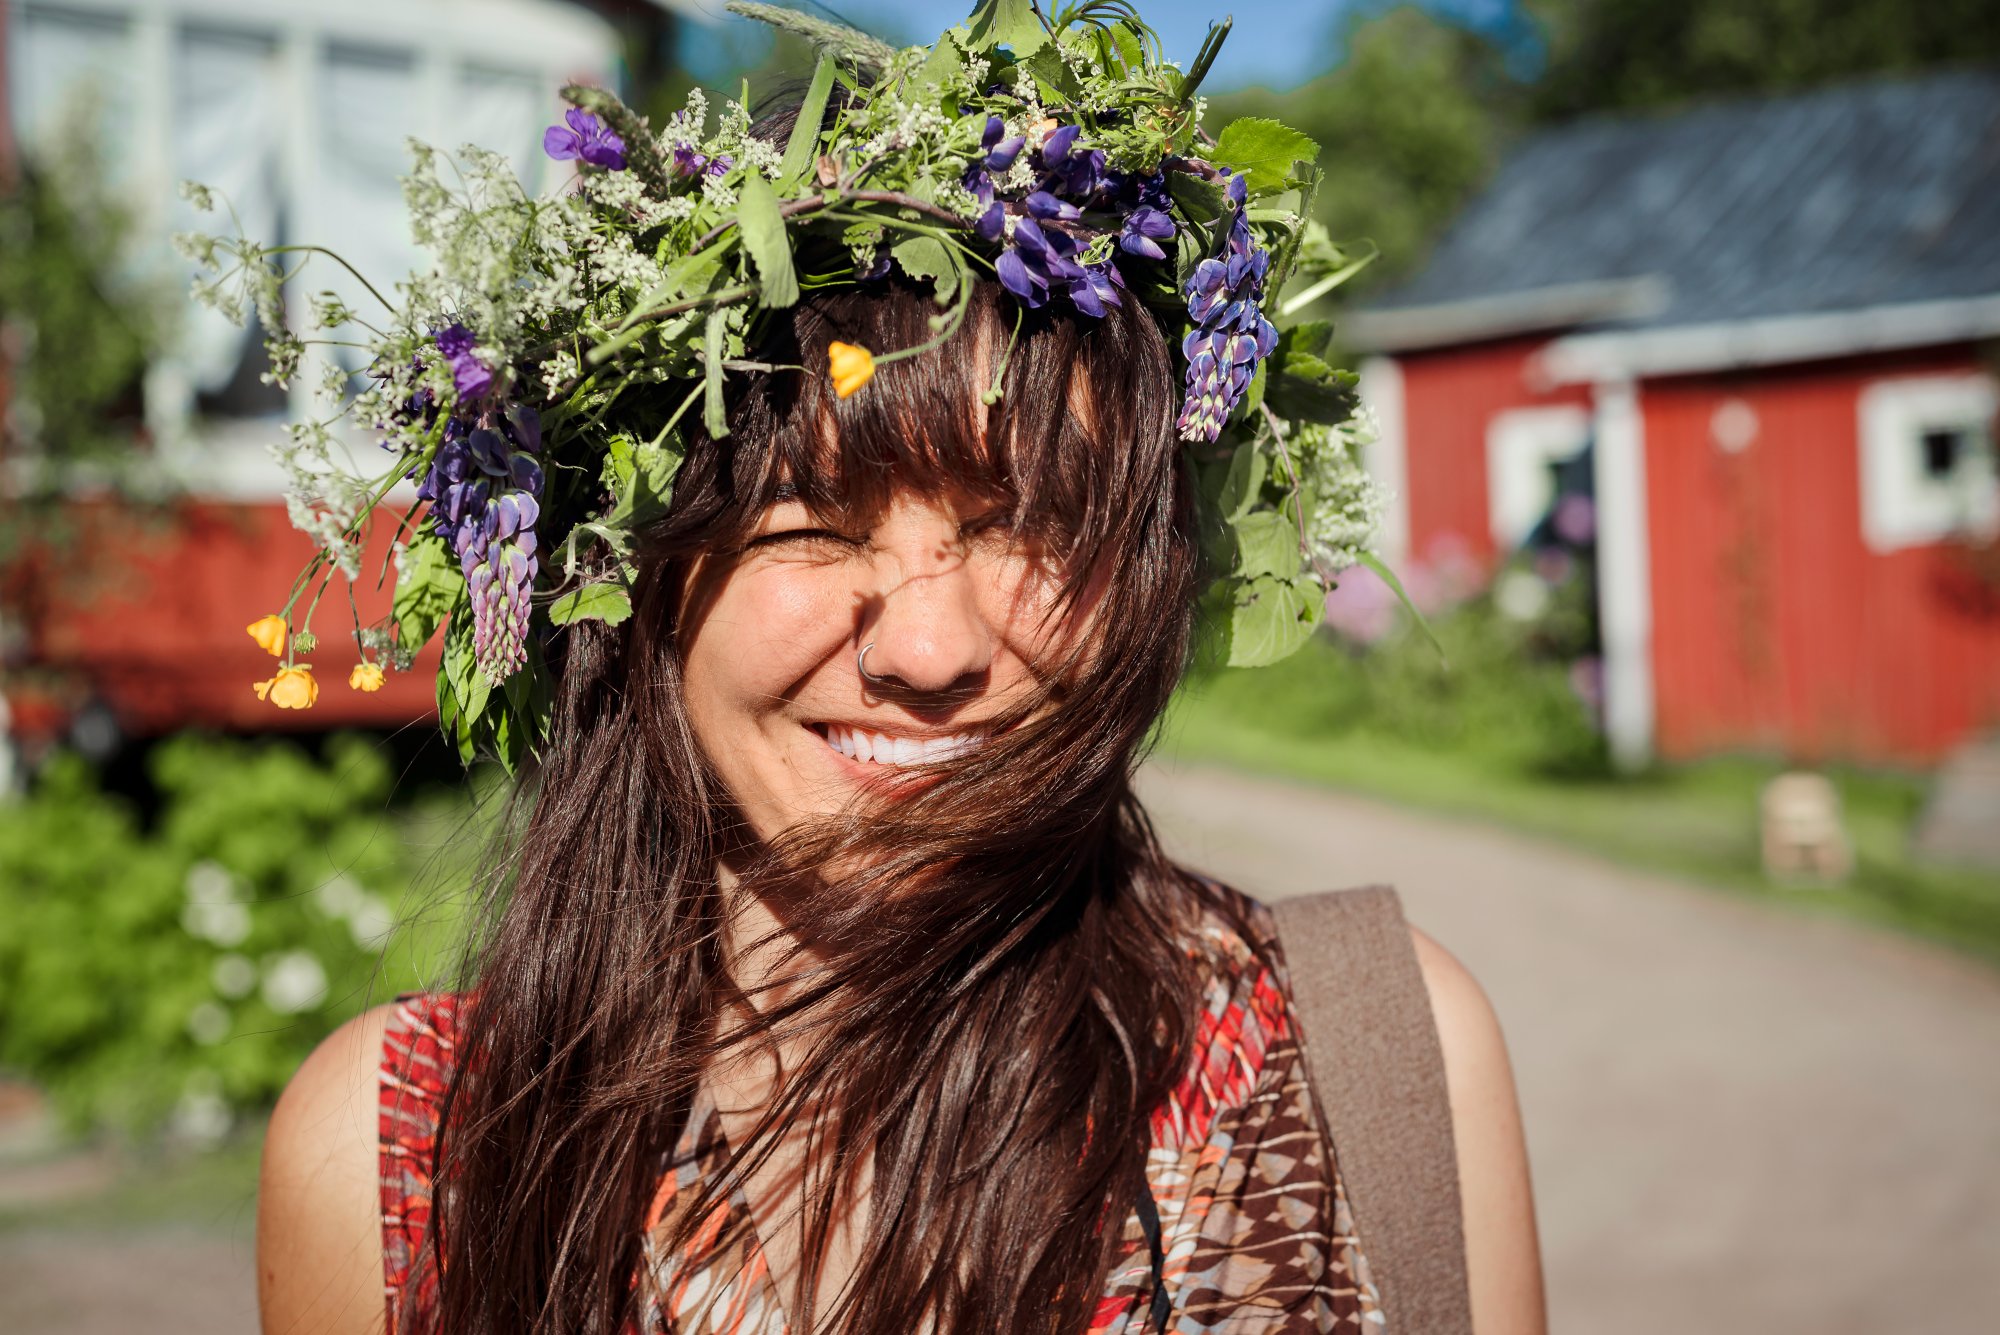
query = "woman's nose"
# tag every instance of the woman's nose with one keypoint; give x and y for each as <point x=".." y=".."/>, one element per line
<point x="929" y="632"/>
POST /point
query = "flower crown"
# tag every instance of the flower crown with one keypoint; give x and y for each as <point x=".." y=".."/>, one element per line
<point x="535" y="382"/>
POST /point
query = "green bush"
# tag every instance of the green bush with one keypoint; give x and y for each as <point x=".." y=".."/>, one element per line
<point x="174" y="974"/>
<point x="1495" y="694"/>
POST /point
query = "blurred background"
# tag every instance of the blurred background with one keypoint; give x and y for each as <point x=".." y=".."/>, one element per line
<point x="1681" y="349"/>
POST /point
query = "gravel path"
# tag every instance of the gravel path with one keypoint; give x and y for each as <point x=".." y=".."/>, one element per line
<point x="1742" y="1120"/>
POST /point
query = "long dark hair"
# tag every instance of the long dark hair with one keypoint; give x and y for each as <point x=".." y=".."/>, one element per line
<point x="1008" y="983"/>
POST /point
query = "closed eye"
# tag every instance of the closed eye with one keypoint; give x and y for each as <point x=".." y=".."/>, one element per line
<point x="803" y="536"/>
<point x="994" y="521"/>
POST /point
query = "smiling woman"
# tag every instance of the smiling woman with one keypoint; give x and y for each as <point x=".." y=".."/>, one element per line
<point x="833" y="977"/>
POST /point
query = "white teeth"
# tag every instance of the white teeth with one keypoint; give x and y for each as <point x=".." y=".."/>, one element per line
<point x="878" y="749"/>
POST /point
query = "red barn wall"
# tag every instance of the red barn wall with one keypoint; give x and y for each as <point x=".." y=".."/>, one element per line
<point x="1774" y="626"/>
<point x="154" y="623"/>
<point x="1450" y="396"/>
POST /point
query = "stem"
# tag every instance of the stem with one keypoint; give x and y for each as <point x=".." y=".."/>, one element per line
<point x="793" y="208"/>
<point x="322" y="250"/>
<point x="1298" y="492"/>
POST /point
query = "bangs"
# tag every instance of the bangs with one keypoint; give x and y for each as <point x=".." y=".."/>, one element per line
<point x="1079" y="445"/>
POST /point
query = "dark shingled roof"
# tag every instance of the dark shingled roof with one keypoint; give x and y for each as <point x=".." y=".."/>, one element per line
<point x="1837" y="200"/>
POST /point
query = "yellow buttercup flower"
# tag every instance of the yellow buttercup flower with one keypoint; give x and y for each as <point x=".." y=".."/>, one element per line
<point x="366" y="677"/>
<point x="269" y="632"/>
<point x="853" y="366"/>
<point x="293" y="688"/>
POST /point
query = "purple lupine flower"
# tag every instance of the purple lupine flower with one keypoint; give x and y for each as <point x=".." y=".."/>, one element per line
<point x="1145" y="227"/>
<point x="483" y="486"/>
<point x="997" y="154"/>
<point x="585" y="137"/>
<point x="1000" y="152"/>
<point x="468" y="373"/>
<point x="1231" y="335"/>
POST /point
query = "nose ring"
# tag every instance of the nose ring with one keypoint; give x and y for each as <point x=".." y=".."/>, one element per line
<point x="861" y="663"/>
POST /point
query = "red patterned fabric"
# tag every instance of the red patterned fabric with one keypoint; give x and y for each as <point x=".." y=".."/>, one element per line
<point x="1256" y="1227"/>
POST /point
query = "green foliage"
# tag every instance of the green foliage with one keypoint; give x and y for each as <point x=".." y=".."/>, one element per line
<point x="1628" y="54"/>
<point x="426" y="589"/>
<point x="1495" y="698"/>
<point x="86" y="329"/>
<point x="184" y="970"/>
<point x="1263" y="150"/>
<point x="609" y="603"/>
<point x="1408" y="125"/>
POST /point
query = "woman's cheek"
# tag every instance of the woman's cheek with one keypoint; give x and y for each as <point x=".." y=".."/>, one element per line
<point x="797" y="613"/>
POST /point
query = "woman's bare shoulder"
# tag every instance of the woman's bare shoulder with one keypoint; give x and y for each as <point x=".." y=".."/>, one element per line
<point x="1503" y="1255"/>
<point x="319" y="1238"/>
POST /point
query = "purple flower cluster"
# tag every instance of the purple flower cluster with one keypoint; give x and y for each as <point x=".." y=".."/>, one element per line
<point x="1231" y="334"/>
<point x="468" y="373"/>
<point x="585" y="137"/>
<point x="1042" y="254"/>
<point x="484" y="488"/>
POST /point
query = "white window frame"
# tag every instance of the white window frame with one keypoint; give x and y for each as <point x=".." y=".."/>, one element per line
<point x="1900" y="506"/>
<point x="1521" y="445"/>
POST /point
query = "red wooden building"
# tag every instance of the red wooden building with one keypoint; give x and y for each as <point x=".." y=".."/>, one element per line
<point x="1763" y="335"/>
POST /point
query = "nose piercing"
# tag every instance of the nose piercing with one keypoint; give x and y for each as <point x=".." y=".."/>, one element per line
<point x="861" y="663"/>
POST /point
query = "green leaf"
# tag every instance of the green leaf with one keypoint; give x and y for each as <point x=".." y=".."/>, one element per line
<point x="604" y="601"/>
<point x="650" y="483"/>
<point x="459" y="668"/>
<point x="1267" y="543"/>
<point x="801" y="148"/>
<point x="1057" y="82"/>
<point x="714" y="413"/>
<point x="1263" y="150"/>
<point x="429" y="586"/>
<point x="1200" y="198"/>
<point x="946" y="60"/>
<point x="927" y="257"/>
<point x="1008" y="23"/>
<point x="1272" y="618"/>
<point x="1243" y="481"/>
<point x="763" y="229"/>
<point x="1304" y="399"/>
<point x="1388" y="576"/>
<point x="1313" y="336"/>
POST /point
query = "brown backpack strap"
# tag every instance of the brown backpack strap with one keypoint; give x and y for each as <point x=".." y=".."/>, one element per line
<point x="1372" y="1052"/>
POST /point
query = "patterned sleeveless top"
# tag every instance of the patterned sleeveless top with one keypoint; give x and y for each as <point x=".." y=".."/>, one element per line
<point x="1254" y="1220"/>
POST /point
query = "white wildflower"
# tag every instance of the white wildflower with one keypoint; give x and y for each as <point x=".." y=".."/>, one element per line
<point x="558" y="371"/>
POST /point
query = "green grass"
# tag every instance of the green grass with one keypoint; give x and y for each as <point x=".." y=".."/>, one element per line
<point x="1698" y="820"/>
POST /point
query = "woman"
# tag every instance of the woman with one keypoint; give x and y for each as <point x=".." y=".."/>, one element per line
<point x="839" y="981"/>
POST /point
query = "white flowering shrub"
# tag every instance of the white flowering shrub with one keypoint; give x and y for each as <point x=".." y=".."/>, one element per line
<point x="170" y="974"/>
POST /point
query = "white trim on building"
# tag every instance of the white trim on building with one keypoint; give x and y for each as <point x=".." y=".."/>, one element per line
<point x="1687" y="349"/>
<point x="1624" y="572"/>
<point x="1388" y="460"/>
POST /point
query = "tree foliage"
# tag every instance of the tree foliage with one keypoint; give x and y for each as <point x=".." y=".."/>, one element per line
<point x="1630" y="54"/>
<point x="1409" y="123"/>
